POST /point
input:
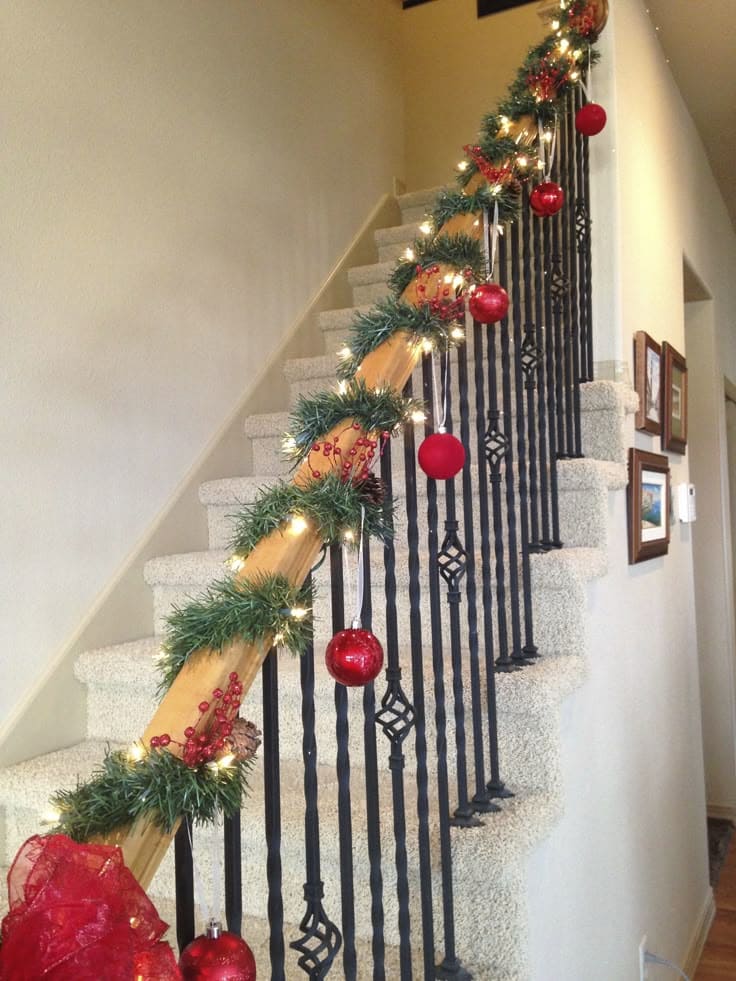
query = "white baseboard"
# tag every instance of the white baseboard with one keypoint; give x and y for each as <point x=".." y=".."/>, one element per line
<point x="700" y="934"/>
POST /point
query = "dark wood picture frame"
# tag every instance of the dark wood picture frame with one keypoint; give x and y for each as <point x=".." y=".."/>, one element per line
<point x="647" y="499"/>
<point x="486" y="7"/>
<point x="648" y="383"/>
<point x="674" y="400"/>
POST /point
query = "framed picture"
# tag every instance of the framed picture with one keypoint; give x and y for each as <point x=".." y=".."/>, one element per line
<point x="486" y="7"/>
<point x="674" y="400"/>
<point x="649" y="505"/>
<point x="647" y="382"/>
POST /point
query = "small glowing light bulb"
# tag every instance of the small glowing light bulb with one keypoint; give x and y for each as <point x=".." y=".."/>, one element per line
<point x="457" y="280"/>
<point x="278" y="639"/>
<point x="342" y="387"/>
<point x="345" y="353"/>
<point x="463" y="165"/>
<point x="298" y="612"/>
<point x="495" y="190"/>
<point x="457" y="333"/>
<point x="50" y="816"/>
<point x="427" y="345"/>
<point x="289" y="444"/>
<point x="577" y="54"/>
<point x="425" y="228"/>
<point x="522" y="161"/>
<point x="564" y="45"/>
<point x="574" y="76"/>
<point x="135" y="752"/>
<point x="418" y="416"/>
<point x="225" y="761"/>
<point x="349" y="536"/>
<point x="555" y="25"/>
<point x="236" y="562"/>
<point x="540" y="165"/>
<point x="547" y="136"/>
<point x="409" y="254"/>
<point x="298" y="524"/>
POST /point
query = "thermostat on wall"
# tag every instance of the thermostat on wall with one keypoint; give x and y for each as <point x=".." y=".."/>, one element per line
<point x="685" y="498"/>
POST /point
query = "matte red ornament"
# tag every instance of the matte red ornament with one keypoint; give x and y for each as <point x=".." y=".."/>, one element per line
<point x="441" y="456"/>
<point x="488" y="303"/>
<point x="590" y="119"/>
<point x="546" y="199"/>
<point x="354" y="656"/>
<point x="217" y="956"/>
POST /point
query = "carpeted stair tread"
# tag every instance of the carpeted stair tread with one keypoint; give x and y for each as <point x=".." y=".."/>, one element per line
<point x="187" y="568"/>
<point x="29" y="785"/>
<point x="121" y="664"/>
<point x="396" y="234"/>
<point x="261" y="424"/>
<point x="374" y="272"/>
<point x="232" y="490"/>
<point x="322" y="366"/>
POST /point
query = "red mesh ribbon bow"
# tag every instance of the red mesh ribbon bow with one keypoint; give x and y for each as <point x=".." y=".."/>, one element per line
<point x="77" y="912"/>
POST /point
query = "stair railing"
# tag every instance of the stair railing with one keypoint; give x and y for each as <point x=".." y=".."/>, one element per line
<point x="416" y="755"/>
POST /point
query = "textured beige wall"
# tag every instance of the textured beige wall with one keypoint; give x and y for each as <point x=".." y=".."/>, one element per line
<point x="179" y="178"/>
<point x="456" y="68"/>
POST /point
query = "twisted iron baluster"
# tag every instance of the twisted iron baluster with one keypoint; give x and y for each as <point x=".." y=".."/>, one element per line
<point x="575" y="447"/>
<point x="396" y="719"/>
<point x="320" y="938"/>
<point x="417" y="677"/>
<point x="272" y="791"/>
<point x="184" y="884"/>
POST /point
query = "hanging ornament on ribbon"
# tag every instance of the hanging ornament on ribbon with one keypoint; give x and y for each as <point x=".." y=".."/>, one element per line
<point x="590" y="118"/>
<point x="354" y="657"/>
<point x="218" y="955"/>
<point x="547" y="197"/>
<point x="489" y="302"/>
<point x="441" y="455"/>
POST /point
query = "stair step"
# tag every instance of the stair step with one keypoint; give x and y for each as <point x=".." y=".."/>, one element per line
<point x="415" y="204"/>
<point x="393" y="242"/>
<point x="374" y="272"/>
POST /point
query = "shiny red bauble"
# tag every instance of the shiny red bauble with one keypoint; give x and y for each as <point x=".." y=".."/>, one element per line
<point x="546" y="199"/>
<point x="488" y="303"/>
<point x="441" y="456"/>
<point x="217" y="957"/>
<point x="354" y="657"/>
<point x="590" y="119"/>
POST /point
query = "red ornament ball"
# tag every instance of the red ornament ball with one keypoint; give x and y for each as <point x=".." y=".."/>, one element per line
<point x="590" y="119"/>
<point x="546" y="199"/>
<point x="488" y="303"/>
<point x="441" y="456"/>
<point x="354" y="657"/>
<point x="218" y="957"/>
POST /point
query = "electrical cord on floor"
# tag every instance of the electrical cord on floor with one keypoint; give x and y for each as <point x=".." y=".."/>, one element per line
<point x="663" y="962"/>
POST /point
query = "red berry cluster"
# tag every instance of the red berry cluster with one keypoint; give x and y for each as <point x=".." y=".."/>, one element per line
<point x="356" y="462"/>
<point x="544" y="83"/>
<point x="581" y="18"/>
<point x="494" y="175"/>
<point x="203" y="746"/>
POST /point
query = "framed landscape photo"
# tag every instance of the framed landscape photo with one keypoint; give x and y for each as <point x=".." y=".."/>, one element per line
<point x="648" y="383"/>
<point x="648" y="501"/>
<point x="674" y="400"/>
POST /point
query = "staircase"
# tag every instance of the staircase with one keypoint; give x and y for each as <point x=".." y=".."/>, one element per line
<point x="489" y="861"/>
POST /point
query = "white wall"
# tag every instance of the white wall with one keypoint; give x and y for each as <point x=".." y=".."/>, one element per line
<point x="456" y="68"/>
<point x="668" y="209"/>
<point x="629" y="856"/>
<point x="178" y="179"/>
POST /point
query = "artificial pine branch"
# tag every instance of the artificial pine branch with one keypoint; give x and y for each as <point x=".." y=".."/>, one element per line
<point x="388" y="317"/>
<point x="450" y="203"/>
<point x="159" y="786"/>
<point x="231" y="609"/>
<point x="460" y="252"/>
<point x="332" y="505"/>
<point x="374" y="410"/>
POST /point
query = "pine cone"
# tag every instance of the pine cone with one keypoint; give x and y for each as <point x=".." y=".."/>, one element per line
<point x="244" y="739"/>
<point x="371" y="489"/>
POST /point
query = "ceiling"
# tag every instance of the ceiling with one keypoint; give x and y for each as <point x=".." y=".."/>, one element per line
<point x="699" y="40"/>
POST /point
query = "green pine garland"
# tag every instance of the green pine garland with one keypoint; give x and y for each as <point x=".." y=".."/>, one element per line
<point x="388" y="317"/>
<point x="375" y="411"/>
<point x="450" y="202"/>
<point x="460" y="252"/>
<point x="332" y="505"/>
<point x="231" y="609"/>
<point x="159" y="786"/>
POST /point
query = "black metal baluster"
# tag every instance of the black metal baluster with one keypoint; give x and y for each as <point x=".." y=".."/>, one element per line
<point x="450" y="966"/>
<point x="272" y="798"/>
<point x="396" y="718"/>
<point x="512" y="552"/>
<point x="233" y="874"/>
<point x="453" y="560"/>
<point x="481" y="801"/>
<point x="552" y="401"/>
<point x="528" y="358"/>
<point x="540" y="313"/>
<point x="568" y="333"/>
<point x="184" y="884"/>
<point x="372" y="794"/>
<point x="530" y="648"/>
<point x="572" y="273"/>
<point x="320" y="938"/>
<point x="345" y="824"/>
<point x="495" y="786"/>
<point x="496" y="447"/>
<point x="417" y="676"/>
<point x="582" y="225"/>
<point x="557" y="287"/>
